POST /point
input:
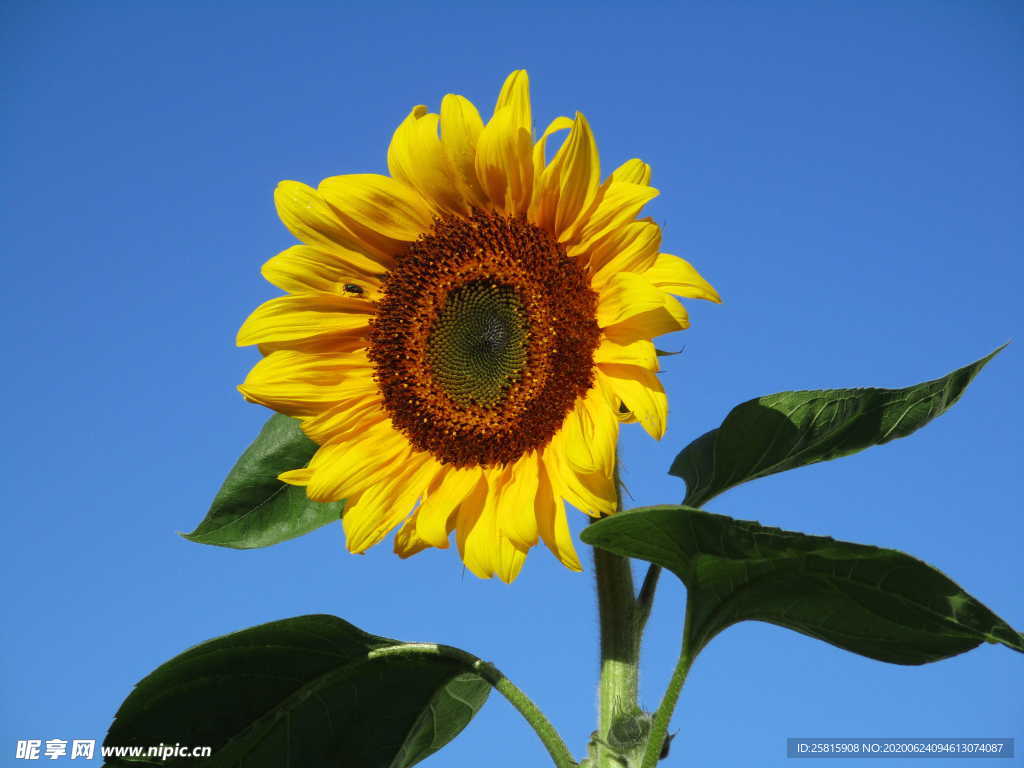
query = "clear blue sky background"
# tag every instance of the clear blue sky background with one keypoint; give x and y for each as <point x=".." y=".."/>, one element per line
<point x="847" y="174"/>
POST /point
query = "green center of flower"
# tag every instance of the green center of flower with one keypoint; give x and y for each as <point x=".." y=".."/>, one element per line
<point x="478" y="345"/>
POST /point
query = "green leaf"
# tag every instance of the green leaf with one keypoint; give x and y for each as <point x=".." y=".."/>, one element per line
<point x="306" y="691"/>
<point x="875" y="602"/>
<point x="443" y="718"/>
<point x="791" y="429"/>
<point x="255" y="509"/>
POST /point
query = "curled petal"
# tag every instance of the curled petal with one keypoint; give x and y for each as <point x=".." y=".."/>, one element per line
<point x="417" y="158"/>
<point x="677" y="276"/>
<point x="568" y="185"/>
<point x="516" y="504"/>
<point x="633" y="171"/>
<point x="436" y="514"/>
<point x="552" y="523"/>
<point x="641" y="392"/>
<point x="504" y="162"/>
<point x="485" y="549"/>
<point x="460" y="131"/>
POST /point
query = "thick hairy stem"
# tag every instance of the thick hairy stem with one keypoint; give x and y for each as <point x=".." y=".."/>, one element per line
<point x="620" y="641"/>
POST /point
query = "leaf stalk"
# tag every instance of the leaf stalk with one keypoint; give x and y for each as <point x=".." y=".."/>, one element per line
<point x="547" y="732"/>
<point x="663" y="715"/>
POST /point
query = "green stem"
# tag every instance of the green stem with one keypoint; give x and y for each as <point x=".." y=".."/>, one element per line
<point x="619" y="646"/>
<point x="620" y="640"/>
<point x="645" y="599"/>
<point x="659" y="726"/>
<point x="545" y="730"/>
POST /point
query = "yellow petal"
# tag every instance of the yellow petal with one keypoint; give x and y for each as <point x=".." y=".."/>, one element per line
<point x="341" y="470"/>
<point x="504" y="164"/>
<point x="416" y="158"/>
<point x="478" y="559"/>
<point x="624" y="295"/>
<point x="485" y="549"/>
<point x="382" y="506"/>
<point x="592" y="432"/>
<point x="625" y="415"/>
<point x="678" y="276"/>
<point x="337" y="345"/>
<point x="378" y="204"/>
<point x="352" y="414"/>
<point x="631" y="248"/>
<point x="634" y="171"/>
<point x="670" y="316"/>
<point x="408" y="541"/>
<point x="309" y="316"/>
<point x="640" y="352"/>
<point x="553" y="525"/>
<point x="460" y="130"/>
<point x="510" y="560"/>
<point x="515" y="94"/>
<point x="296" y="476"/>
<point x="448" y="490"/>
<point x="641" y="392"/>
<point x="618" y="203"/>
<point x="516" y="514"/>
<point x="302" y="384"/>
<point x="569" y="183"/>
<point x="591" y="493"/>
<point x="304" y="269"/>
<point x="561" y="123"/>
<point x="618" y="200"/>
<point x="308" y="216"/>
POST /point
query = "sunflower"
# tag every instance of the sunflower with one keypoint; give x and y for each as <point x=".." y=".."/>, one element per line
<point x="463" y="337"/>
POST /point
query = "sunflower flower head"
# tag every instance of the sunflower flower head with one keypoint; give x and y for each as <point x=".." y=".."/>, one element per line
<point x="463" y="337"/>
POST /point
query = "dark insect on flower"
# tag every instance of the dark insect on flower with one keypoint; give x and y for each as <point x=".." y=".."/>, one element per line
<point x="353" y="288"/>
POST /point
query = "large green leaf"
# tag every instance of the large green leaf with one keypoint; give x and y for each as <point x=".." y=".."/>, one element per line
<point x="301" y="693"/>
<point x="255" y="509"/>
<point x="876" y="602"/>
<point x="790" y="429"/>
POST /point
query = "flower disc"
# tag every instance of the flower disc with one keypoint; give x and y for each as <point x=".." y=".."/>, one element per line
<point x="478" y="345"/>
<point x="483" y="340"/>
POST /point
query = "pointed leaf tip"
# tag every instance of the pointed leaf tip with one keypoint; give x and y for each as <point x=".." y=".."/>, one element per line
<point x="255" y="509"/>
<point x="875" y="602"/>
<point x="787" y="430"/>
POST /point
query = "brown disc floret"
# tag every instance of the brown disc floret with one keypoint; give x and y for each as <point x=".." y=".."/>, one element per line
<point x="483" y="340"/>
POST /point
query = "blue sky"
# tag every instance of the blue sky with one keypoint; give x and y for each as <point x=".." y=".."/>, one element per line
<point x="847" y="174"/>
